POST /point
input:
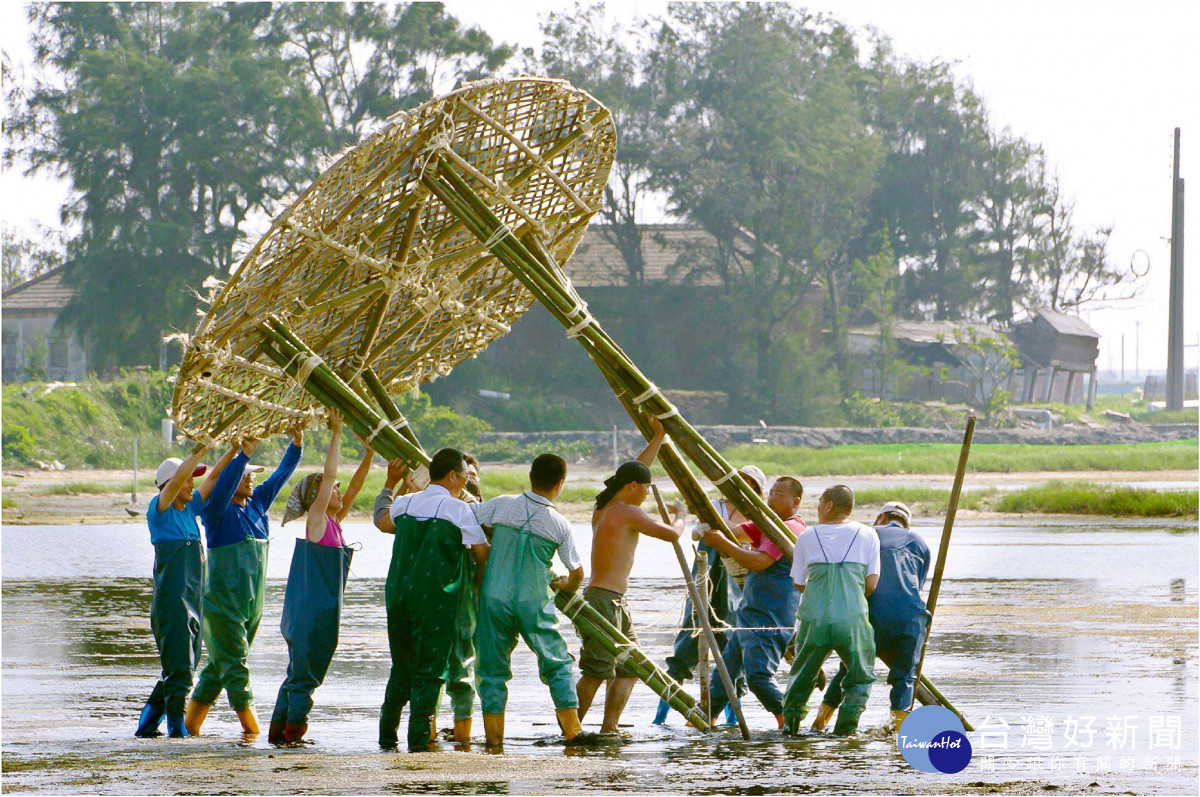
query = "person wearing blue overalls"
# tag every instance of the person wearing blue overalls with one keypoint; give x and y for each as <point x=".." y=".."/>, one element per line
<point x="768" y="606"/>
<point x="897" y="613"/>
<point x="177" y="607"/>
<point x="726" y="578"/>
<point x="236" y="525"/>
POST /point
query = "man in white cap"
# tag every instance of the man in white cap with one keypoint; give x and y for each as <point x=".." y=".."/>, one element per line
<point x="176" y="608"/>
<point x="897" y="612"/>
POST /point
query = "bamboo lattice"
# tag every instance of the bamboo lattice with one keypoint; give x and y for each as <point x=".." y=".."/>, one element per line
<point x="382" y="280"/>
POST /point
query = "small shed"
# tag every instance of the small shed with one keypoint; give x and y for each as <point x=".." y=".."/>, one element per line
<point x="33" y="346"/>
<point x="1052" y="343"/>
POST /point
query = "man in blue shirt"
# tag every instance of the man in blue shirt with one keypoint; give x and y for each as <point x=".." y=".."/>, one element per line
<point x="897" y="612"/>
<point x="236" y="526"/>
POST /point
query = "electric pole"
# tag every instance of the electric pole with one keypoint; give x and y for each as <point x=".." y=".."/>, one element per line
<point x="1175" y="374"/>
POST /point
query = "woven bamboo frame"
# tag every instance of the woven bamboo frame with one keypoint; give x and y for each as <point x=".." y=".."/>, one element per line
<point x="375" y="276"/>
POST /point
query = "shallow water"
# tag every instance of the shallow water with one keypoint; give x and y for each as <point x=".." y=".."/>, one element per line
<point x="1037" y="618"/>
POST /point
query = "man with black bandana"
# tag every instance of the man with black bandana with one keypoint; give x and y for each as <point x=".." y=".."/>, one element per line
<point x="617" y="523"/>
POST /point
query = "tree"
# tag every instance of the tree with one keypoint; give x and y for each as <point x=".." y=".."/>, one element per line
<point x="768" y="150"/>
<point x="28" y="256"/>
<point x="936" y="137"/>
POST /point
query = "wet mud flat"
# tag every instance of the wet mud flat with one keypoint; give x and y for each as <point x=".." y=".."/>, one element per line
<point x="1053" y="622"/>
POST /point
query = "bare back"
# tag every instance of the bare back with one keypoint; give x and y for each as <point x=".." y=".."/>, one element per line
<point x="614" y="543"/>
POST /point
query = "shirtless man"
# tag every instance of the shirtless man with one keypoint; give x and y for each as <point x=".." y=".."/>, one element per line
<point x="617" y="523"/>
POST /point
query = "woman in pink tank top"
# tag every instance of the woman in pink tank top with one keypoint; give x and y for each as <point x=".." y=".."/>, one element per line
<point x="315" y="590"/>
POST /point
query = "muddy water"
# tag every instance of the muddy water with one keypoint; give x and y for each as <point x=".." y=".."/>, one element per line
<point x="1041" y="626"/>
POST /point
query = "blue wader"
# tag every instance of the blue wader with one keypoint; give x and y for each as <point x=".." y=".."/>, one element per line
<point x="176" y="619"/>
<point x="517" y="600"/>
<point x="769" y="600"/>
<point x="233" y="608"/>
<point x="833" y="618"/>
<point x="422" y="593"/>
<point x="312" y="618"/>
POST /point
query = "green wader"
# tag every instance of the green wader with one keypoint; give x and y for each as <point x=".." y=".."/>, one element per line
<point x="833" y="617"/>
<point x="460" y="681"/>
<point x="517" y="600"/>
<point x="422" y="593"/>
<point x="233" y="608"/>
<point x="176" y="613"/>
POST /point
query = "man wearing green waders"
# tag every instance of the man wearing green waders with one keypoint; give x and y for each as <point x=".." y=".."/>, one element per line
<point x="516" y="598"/>
<point x="424" y="582"/>
<point x="236" y="525"/>
<point x="836" y="566"/>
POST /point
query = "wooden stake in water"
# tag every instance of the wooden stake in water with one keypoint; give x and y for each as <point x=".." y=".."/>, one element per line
<point x="935" y="586"/>
<point x="702" y="647"/>
<point x="710" y="638"/>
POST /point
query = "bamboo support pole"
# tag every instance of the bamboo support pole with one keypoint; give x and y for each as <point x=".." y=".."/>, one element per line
<point x="702" y="674"/>
<point x="935" y="586"/>
<point x="592" y="624"/>
<point x="709" y="639"/>
<point x="544" y="279"/>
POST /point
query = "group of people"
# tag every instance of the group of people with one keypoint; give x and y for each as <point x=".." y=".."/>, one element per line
<point x="468" y="578"/>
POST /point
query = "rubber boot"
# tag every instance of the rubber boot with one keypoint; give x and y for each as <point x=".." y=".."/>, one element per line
<point x="568" y="723"/>
<point x="249" y="720"/>
<point x="196" y="712"/>
<point x="660" y="716"/>
<point x="462" y="731"/>
<point x="294" y="733"/>
<point x="176" y="728"/>
<point x="824" y="715"/>
<point x="493" y="730"/>
<point x="275" y="732"/>
<point x="896" y="719"/>
<point x="149" y="721"/>
<point x="730" y="717"/>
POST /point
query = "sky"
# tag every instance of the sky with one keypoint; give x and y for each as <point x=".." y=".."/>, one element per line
<point x="1101" y="85"/>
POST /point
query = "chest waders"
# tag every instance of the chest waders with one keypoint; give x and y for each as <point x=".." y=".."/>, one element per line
<point x="422" y="592"/>
<point x="768" y="602"/>
<point x="898" y="635"/>
<point x="312" y="618"/>
<point x="517" y="600"/>
<point x="233" y="608"/>
<point x="460" y="680"/>
<point x="176" y="618"/>
<point x="833" y="618"/>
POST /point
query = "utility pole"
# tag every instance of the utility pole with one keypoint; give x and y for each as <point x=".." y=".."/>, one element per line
<point x="1137" y="349"/>
<point x="1122" y="356"/>
<point x="1175" y="373"/>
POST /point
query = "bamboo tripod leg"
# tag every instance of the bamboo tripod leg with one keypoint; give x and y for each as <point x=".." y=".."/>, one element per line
<point x="702" y="673"/>
<point x="710" y="639"/>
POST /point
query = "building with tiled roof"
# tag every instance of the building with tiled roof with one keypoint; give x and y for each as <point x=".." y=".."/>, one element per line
<point x="33" y="347"/>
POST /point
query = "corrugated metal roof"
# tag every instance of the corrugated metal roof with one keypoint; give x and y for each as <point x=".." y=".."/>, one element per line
<point x="43" y="293"/>
<point x="1067" y="324"/>
<point x="927" y="332"/>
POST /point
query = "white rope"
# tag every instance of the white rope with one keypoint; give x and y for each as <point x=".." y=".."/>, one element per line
<point x="671" y="413"/>
<point x="305" y="369"/>
<point x="499" y="235"/>
<point x="573" y="603"/>
<point x="577" y="330"/>
<point x="724" y="478"/>
<point x="625" y="655"/>
<point x="383" y="424"/>
<point x="649" y="394"/>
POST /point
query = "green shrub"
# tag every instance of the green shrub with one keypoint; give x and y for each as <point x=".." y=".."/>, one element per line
<point x="864" y="411"/>
<point x="18" y="444"/>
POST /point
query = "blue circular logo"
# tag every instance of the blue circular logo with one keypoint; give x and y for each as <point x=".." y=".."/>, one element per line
<point x="933" y="739"/>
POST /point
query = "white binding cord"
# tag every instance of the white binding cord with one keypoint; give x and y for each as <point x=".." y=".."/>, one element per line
<point x="671" y="413"/>
<point x="383" y="424"/>
<point x="305" y="369"/>
<point x="499" y="235"/>
<point x="577" y="330"/>
<point x="725" y="478"/>
<point x="649" y="394"/>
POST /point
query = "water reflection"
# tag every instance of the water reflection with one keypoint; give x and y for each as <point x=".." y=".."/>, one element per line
<point x="1032" y="620"/>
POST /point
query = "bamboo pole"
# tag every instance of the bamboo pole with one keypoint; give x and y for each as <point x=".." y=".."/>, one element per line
<point x="709" y="639"/>
<point x="935" y="586"/>
<point x="702" y="674"/>
<point x="542" y="276"/>
<point x="592" y="624"/>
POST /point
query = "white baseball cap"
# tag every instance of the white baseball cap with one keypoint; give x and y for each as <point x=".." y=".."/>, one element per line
<point x="754" y="473"/>
<point x="168" y="468"/>
<point x="897" y="508"/>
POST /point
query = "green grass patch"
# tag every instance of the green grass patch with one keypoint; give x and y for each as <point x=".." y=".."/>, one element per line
<point x="7" y="503"/>
<point x="942" y="458"/>
<point x="1085" y="498"/>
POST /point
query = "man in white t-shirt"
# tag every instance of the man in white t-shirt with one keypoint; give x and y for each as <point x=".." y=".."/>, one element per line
<point x="516" y="597"/>
<point x="836" y="566"/>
